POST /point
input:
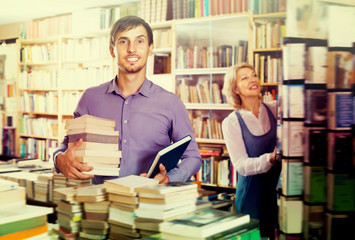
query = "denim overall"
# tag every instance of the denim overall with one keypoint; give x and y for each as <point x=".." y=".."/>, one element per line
<point x="256" y="194"/>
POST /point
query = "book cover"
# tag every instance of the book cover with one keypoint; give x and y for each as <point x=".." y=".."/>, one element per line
<point x="169" y="156"/>
<point x="316" y="105"/>
<point x="127" y="184"/>
<point x="204" y="223"/>
<point x="315" y="138"/>
<point x="315" y="181"/>
<point x="292" y="177"/>
<point x="291" y="212"/>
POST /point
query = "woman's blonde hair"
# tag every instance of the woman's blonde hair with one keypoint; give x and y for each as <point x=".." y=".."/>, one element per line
<point x="230" y="84"/>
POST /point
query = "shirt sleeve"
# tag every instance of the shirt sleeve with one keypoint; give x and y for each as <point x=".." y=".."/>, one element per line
<point x="191" y="159"/>
<point x="234" y="141"/>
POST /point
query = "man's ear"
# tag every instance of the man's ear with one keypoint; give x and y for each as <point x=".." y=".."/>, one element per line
<point x="112" y="51"/>
<point x="150" y="53"/>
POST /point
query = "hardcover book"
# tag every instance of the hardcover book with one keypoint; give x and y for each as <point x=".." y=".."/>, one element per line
<point x="169" y="156"/>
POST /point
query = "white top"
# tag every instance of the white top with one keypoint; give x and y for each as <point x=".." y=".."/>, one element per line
<point x="234" y="140"/>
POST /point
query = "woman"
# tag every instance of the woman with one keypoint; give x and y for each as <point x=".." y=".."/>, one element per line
<point x="250" y="136"/>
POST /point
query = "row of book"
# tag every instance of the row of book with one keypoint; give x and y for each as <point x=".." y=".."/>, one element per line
<point x="70" y="101"/>
<point x="8" y="146"/>
<point x="162" y="38"/>
<point x="206" y="127"/>
<point x="39" y="53"/>
<point x="316" y="121"/>
<point x="37" y="148"/>
<point x="269" y="35"/>
<point x="200" y="92"/>
<point x="135" y="207"/>
<point x="46" y="102"/>
<point x="85" y="48"/>
<point x="38" y="79"/>
<point x="155" y="11"/>
<point x="217" y="171"/>
<point x="269" y="96"/>
<point x="86" y="76"/>
<point x="268" y="67"/>
<point x="41" y="127"/>
<point x="211" y="57"/>
<point x="81" y="21"/>
<point x="270" y="6"/>
<point x="70" y="78"/>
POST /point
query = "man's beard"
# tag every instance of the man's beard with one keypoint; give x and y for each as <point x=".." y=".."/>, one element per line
<point x="124" y="69"/>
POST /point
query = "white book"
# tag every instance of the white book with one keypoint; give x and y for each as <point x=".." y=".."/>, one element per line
<point x="164" y="214"/>
<point x="167" y="206"/>
<point x="8" y="215"/>
<point x="97" y="153"/>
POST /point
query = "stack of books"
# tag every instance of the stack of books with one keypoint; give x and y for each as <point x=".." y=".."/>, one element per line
<point x="163" y="202"/>
<point x="69" y="215"/>
<point x="18" y="220"/>
<point x="43" y="187"/>
<point x="60" y="181"/>
<point x="95" y="225"/>
<point x="66" y="194"/>
<point x="100" y="143"/>
<point x="124" y="200"/>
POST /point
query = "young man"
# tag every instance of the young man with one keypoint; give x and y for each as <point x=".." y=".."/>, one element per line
<point x="147" y="117"/>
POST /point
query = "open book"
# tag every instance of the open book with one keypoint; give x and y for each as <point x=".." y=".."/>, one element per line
<point x="169" y="156"/>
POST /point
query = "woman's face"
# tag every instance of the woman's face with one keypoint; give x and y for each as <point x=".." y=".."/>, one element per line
<point x="248" y="83"/>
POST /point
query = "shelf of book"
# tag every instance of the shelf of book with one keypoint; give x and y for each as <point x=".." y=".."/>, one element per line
<point x="213" y="141"/>
<point x="53" y="72"/>
<point x="266" y="50"/>
<point x="37" y="137"/>
<point x="268" y="16"/>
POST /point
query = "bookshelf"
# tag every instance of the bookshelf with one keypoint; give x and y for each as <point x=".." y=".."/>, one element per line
<point x="53" y="73"/>
<point x="268" y="30"/>
<point x="203" y="53"/>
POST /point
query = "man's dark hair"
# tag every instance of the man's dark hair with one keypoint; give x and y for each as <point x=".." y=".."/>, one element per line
<point x="127" y="23"/>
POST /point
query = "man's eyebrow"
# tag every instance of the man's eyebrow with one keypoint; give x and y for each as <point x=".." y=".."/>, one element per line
<point x="139" y="36"/>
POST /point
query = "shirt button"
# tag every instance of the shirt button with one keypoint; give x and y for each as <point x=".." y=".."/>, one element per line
<point x="125" y="121"/>
<point x="126" y="102"/>
<point x="124" y="141"/>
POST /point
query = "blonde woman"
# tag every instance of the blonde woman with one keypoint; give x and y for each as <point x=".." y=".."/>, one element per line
<point x="250" y="136"/>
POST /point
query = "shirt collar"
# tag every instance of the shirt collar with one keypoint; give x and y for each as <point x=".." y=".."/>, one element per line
<point x="144" y="89"/>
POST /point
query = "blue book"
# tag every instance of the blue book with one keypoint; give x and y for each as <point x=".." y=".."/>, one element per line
<point x="169" y="156"/>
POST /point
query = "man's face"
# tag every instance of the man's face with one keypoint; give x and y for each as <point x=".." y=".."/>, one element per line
<point x="131" y="50"/>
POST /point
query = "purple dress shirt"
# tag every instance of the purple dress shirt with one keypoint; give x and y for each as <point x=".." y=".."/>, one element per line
<point x="147" y="121"/>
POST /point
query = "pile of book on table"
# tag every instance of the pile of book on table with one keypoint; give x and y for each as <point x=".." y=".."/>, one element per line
<point x="99" y="148"/>
<point x="124" y="204"/>
<point x="18" y="220"/>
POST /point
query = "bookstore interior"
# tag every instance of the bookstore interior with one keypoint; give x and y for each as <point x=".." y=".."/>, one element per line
<point x="303" y="53"/>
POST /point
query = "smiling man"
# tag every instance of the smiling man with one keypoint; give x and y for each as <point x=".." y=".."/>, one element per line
<point x="147" y="117"/>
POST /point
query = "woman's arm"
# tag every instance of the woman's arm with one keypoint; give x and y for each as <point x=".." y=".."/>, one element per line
<point x="235" y="144"/>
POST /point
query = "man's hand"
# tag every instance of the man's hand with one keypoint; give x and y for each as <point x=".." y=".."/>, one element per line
<point x="162" y="177"/>
<point x="69" y="166"/>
